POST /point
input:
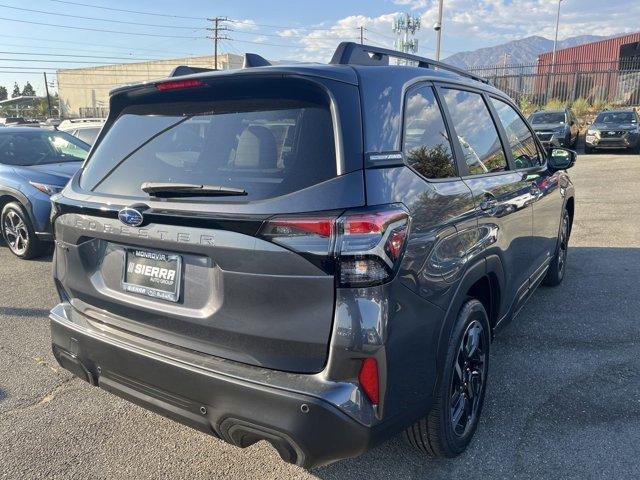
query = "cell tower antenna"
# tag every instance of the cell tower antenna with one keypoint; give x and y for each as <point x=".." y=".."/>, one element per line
<point x="405" y="27"/>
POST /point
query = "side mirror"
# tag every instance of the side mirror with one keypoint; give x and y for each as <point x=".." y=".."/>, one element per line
<point x="562" y="158"/>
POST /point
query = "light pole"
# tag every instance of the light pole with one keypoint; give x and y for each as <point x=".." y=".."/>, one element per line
<point x="438" y="28"/>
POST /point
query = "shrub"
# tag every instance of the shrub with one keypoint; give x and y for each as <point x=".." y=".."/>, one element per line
<point x="580" y="107"/>
<point x="526" y="105"/>
<point x="601" y="105"/>
<point x="555" y="104"/>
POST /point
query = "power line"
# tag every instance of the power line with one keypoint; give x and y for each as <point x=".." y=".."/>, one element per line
<point x="376" y="32"/>
<point x="57" y="14"/>
<point x="294" y="27"/>
<point x="262" y="34"/>
<point x="81" y="56"/>
<point x="130" y="72"/>
<point x="97" y="29"/>
<point x="94" y="44"/>
<point x="269" y="44"/>
<point x="126" y="11"/>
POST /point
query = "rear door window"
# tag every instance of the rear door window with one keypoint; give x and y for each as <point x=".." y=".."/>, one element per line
<point x="521" y="141"/>
<point x="268" y="147"/>
<point x="476" y="132"/>
<point x="425" y="139"/>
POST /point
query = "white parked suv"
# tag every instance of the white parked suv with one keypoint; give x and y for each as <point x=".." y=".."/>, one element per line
<point x="86" y="129"/>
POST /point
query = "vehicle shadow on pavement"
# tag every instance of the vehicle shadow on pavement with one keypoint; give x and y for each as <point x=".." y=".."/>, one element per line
<point x="46" y="256"/>
<point x="562" y="401"/>
<point x="24" y="312"/>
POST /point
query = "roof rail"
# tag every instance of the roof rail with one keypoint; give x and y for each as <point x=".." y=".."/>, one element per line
<point x="351" y="53"/>
<point x="181" y="70"/>
<point x="252" y="60"/>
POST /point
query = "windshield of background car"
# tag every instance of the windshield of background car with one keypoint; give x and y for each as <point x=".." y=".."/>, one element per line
<point x="265" y="146"/>
<point x="616" y="117"/>
<point x="40" y="147"/>
<point x="546" y="117"/>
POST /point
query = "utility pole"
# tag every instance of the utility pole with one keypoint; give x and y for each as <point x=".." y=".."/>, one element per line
<point x="46" y="87"/>
<point x="505" y="58"/>
<point x="555" y="40"/>
<point x="552" y="70"/>
<point x="361" y="35"/>
<point x="438" y="28"/>
<point x="406" y="26"/>
<point x="217" y="28"/>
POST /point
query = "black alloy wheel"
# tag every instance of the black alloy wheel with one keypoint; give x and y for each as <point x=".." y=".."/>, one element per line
<point x="467" y="381"/>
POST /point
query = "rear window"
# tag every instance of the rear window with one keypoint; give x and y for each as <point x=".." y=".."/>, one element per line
<point x="268" y="147"/>
<point x="547" y="117"/>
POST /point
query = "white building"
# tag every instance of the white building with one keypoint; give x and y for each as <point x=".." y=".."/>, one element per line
<point x="84" y="92"/>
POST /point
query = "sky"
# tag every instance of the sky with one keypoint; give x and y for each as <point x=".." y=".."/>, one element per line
<point x="42" y="35"/>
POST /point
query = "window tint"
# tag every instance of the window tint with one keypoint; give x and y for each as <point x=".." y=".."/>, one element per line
<point x="426" y="144"/>
<point x="267" y="147"/>
<point x="523" y="146"/>
<point x="39" y="147"/>
<point x="476" y="132"/>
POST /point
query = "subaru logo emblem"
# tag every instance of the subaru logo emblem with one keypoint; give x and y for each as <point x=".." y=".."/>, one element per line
<point x="130" y="216"/>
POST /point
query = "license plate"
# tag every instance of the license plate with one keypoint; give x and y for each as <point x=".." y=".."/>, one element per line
<point x="155" y="274"/>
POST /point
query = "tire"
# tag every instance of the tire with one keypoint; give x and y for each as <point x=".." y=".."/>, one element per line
<point x="558" y="265"/>
<point x="588" y="150"/>
<point x="439" y="434"/>
<point x="18" y="232"/>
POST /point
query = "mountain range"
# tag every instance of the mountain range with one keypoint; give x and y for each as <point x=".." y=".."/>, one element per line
<point x="518" y="52"/>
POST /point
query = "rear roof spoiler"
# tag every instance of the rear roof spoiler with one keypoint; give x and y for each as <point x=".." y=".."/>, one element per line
<point x="252" y="60"/>
<point x="181" y="70"/>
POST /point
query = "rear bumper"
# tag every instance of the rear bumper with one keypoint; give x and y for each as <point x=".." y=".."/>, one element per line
<point x="306" y="429"/>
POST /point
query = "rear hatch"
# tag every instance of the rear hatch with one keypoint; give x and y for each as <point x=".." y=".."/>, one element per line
<point x="194" y="221"/>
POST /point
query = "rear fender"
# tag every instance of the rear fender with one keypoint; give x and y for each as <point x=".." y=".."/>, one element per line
<point x="482" y="267"/>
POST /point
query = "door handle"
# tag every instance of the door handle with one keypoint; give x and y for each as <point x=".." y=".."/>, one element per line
<point x="535" y="190"/>
<point x="488" y="202"/>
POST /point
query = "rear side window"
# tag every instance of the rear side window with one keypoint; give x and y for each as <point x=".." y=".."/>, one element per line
<point x="88" y="135"/>
<point x="268" y="147"/>
<point x="476" y="132"/>
<point x="523" y="146"/>
<point x="426" y="142"/>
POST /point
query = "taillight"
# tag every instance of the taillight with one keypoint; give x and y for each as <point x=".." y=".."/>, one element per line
<point x="308" y="234"/>
<point x="363" y="247"/>
<point x="177" y="84"/>
<point x="371" y="245"/>
<point x="368" y="379"/>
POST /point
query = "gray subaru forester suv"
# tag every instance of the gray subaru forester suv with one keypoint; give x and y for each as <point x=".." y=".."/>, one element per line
<point x="313" y="255"/>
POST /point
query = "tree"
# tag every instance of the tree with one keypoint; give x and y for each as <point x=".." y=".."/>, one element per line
<point x="16" y="90"/>
<point x="3" y="93"/>
<point x="28" y="90"/>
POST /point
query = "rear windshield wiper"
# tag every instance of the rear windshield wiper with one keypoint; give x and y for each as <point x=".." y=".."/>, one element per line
<point x="173" y="190"/>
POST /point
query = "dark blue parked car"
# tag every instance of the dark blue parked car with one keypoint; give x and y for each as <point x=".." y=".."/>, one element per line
<point x="34" y="164"/>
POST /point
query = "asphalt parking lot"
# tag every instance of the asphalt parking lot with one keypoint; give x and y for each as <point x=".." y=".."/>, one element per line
<point x="563" y="399"/>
